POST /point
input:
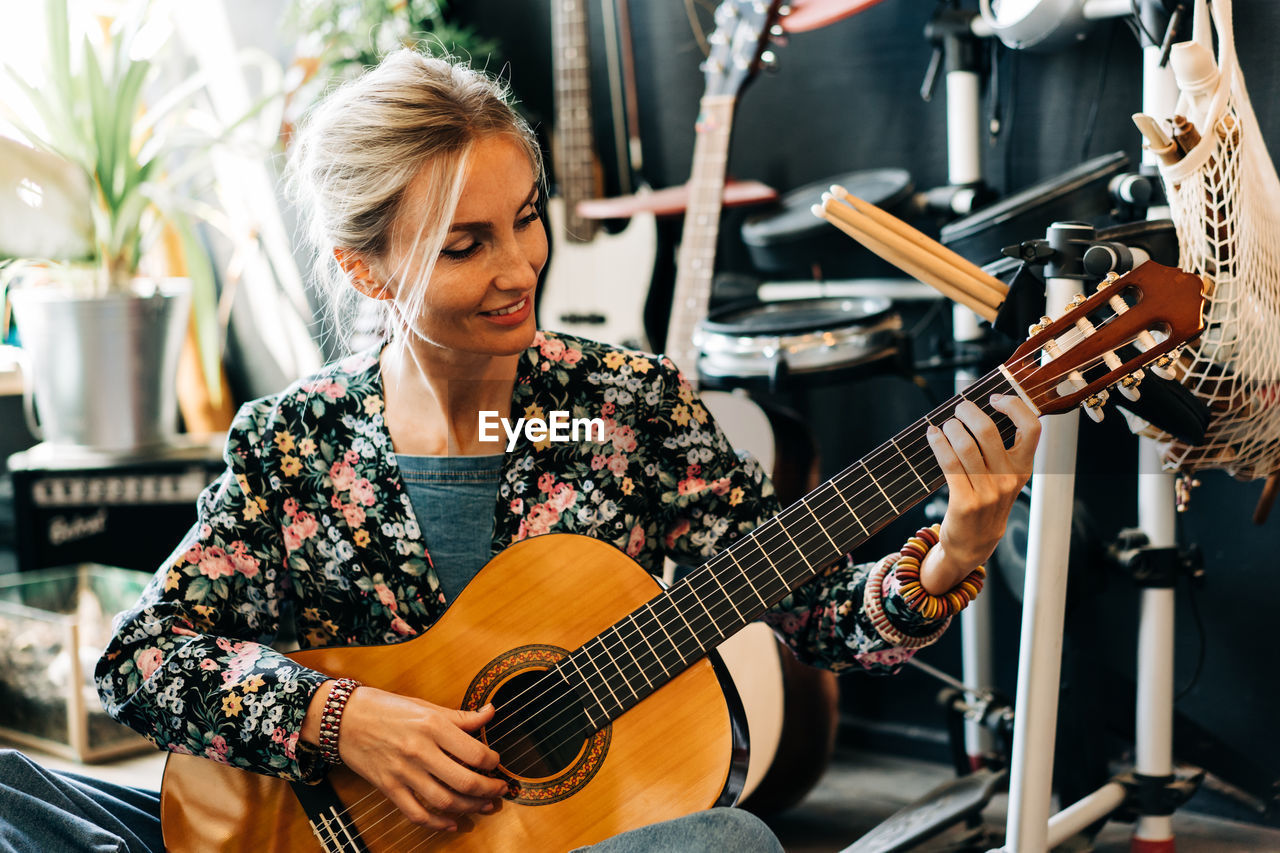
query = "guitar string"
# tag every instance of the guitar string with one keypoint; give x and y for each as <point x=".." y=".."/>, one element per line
<point x="994" y="377"/>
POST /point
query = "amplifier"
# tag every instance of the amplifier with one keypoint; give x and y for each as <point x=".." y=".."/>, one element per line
<point x="76" y="505"/>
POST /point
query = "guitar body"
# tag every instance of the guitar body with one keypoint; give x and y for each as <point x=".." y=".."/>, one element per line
<point x="597" y="289"/>
<point x="672" y="754"/>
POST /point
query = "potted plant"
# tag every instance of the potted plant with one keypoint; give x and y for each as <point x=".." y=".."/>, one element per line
<point x="100" y="323"/>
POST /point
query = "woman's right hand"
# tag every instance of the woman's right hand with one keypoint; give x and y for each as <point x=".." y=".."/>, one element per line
<point x="423" y="757"/>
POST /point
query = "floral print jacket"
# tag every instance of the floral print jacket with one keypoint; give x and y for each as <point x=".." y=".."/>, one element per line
<point x="311" y="522"/>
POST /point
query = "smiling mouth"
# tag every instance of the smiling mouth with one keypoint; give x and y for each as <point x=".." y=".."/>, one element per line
<point x="511" y="309"/>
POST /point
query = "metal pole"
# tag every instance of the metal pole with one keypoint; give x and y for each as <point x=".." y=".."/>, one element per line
<point x="1045" y="593"/>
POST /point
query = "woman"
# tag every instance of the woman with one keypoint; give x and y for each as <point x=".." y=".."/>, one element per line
<point x="359" y="502"/>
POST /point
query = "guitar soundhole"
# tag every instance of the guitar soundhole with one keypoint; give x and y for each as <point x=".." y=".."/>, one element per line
<point x="539" y="729"/>
<point x="547" y="746"/>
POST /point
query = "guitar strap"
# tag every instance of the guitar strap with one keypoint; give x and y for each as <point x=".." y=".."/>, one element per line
<point x="328" y="817"/>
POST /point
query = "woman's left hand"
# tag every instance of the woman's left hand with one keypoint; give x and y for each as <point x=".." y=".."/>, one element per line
<point x="984" y="479"/>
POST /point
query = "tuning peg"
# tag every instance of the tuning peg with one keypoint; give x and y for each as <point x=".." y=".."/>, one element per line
<point x="1076" y="301"/>
<point x="1093" y="406"/>
<point x="1037" y="328"/>
<point x="784" y="10"/>
<point x="1161" y="367"/>
<point x="1128" y="386"/>
<point x="777" y="31"/>
<point x="769" y="60"/>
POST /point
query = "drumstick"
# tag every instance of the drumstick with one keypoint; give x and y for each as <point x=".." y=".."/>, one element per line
<point x="997" y="287"/>
<point x="898" y="252"/>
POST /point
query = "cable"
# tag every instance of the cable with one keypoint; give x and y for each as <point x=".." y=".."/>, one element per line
<point x="1195" y="614"/>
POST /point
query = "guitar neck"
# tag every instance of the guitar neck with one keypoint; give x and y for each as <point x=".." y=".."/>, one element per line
<point x="574" y="149"/>
<point x="696" y="261"/>
<point x="624" y="664"/>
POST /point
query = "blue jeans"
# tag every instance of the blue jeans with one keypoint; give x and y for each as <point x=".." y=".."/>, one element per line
<point x="49" y="812"/>
<point x="63" y="813"/>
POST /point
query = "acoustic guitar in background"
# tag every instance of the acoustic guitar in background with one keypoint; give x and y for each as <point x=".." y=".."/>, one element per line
<point x="609" y="711"/>
<point x="596" y="283"/>
<point x="791" y="708"/>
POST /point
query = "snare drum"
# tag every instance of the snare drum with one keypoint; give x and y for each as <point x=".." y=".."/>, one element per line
<point x="810" y="341"/>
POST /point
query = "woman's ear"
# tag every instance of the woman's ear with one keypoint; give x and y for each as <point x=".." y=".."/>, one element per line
<point x="360" y="274"/>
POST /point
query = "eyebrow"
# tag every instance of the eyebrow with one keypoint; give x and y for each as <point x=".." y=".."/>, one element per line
<point x="484" y="224"/>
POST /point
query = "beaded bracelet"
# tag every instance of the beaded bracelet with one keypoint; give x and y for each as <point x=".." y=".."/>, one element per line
<point x="907" y="570"/>
<point x="331" y="719"/>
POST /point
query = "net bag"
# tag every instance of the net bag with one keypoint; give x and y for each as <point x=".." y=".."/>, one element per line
<point x="1224" y="198"/>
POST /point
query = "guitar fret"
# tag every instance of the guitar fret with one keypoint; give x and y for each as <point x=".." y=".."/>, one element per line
<point x="674" y="645"/>
<point x="586" y="648"/>
<point x="894" y="442"/>
<point x="727" y="596"/>
<point x="649" y="606"/>
<point x="819" y="523"/>
<point x="878" y="486"/>
<point x="756" y="541"/>
<point x="680" y="612"/>
<point x="604" y="645"/>
<point x="584" y="680"/>
<point x="840" y="495"/>
<point x="799" y="550"/>
<point x="747" y="577"/>
<point x="701" y="604"/>
<point x="636" y="627"/>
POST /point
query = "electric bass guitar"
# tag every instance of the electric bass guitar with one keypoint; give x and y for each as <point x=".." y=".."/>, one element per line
<point x="596" y="283"/>
<point x="609" y="711"/>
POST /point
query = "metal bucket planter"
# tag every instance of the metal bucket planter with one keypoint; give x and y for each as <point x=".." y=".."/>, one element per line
<point x="100" y="372"/>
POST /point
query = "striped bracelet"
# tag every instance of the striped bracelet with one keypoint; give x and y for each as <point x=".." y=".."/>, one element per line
<point x="873" y="607"/>
<point x="331" y="719"/>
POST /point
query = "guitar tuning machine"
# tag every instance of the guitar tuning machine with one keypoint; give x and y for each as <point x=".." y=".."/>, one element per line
<point x="1163" y="366"/>
<point x="1037" y="328"/>
<point x="1108" y="280"/>
<point x="1128" y="386"/>
<point x="769" y="60"/>
<point x="1093" y="405"/>
<point x="1077" y="300"/>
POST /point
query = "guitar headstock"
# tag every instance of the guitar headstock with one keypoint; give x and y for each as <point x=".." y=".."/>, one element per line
<point x="1104" y="340"/>
<point x="743" y="30"/>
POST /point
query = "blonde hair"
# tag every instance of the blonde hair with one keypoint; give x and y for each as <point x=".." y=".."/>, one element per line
<point x="362" y="145"/>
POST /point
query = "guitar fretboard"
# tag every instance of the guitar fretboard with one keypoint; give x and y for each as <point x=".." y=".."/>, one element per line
<point x="621" y="666"/>
<point x="696" y="262"/>
<point x="575" y="147"/>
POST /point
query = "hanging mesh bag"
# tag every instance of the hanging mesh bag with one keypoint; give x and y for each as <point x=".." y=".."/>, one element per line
<point x="1224" y="198"/>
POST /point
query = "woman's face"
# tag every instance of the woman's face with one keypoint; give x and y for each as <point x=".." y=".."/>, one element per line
<point x="480" y="296"/>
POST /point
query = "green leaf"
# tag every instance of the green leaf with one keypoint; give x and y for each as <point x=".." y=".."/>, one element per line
<point x="102" y="121"/>
<point x="59" y="34"/>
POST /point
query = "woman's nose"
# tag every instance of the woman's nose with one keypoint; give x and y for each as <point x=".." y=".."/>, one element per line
<point x="520" y="262"/>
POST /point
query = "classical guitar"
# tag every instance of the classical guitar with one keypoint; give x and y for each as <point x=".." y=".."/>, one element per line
<point x="597" y="282"/>
<point x="609" y="714"/>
